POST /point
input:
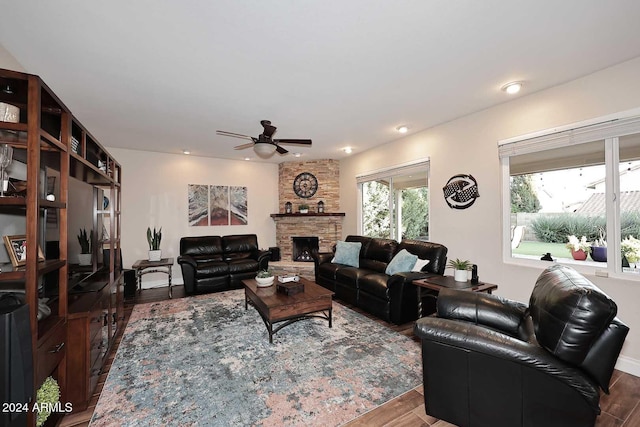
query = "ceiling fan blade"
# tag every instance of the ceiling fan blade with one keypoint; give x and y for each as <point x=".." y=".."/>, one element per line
<point x="243" y="146"/>
<point x="281" y="150"/>
<point x="293" y="141"/>
<point x="235" y="135"/>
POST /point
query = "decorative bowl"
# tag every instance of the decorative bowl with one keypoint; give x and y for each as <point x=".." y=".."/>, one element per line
<point x="263" y="282"/>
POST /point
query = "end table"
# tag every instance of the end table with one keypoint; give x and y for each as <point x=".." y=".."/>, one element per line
<point x="143" y="266"/>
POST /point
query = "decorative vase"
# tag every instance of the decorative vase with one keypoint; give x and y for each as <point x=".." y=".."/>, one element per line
<point x="599" y="253"/>
<point x="460" y="275"/>
<point x="579" y="255"/>
<point x="304" y="211"/>
<point x="155" y="255"/>
<point x="84" y="259"/>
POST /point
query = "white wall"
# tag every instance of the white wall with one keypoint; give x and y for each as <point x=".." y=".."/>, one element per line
<point x="469" y="145"/>
<point x="154" y="193"/>
<point x="7" y="61"/>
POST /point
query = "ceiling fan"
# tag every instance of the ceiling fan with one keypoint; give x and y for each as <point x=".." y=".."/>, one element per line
<point x="265" y="145"/>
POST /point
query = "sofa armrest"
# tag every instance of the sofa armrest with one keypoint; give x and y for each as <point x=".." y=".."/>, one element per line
<point x="477" y="338"/>
<point x="484" y="309"/>
<point x="322" y="257"/>
<point x="263" y="258"/>
<point x="403" y="296"/>
<point x="188" y="266"/>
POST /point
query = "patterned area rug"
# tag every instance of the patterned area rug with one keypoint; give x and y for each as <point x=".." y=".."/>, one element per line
<point x="206" y="360"/>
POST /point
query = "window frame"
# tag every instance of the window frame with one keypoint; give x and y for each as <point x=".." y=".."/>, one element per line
<point x="389" y="173"/>
<point x="607" y="128"/>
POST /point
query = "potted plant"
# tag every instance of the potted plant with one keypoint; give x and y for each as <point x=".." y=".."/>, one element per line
<point x="264" y="278"/>
<point x="579" y="248"/>
<point x="154" y="238"/>
<point x="84" y="238"/>
<point x="303" y="208"/>
<point x="630" y="247"/>
<point x="460" y="269"/>
<point x="599" y="248"/>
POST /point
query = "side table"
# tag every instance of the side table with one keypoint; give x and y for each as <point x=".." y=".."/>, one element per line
<point x="437" y="282"/>
<point x="143" y="266"/>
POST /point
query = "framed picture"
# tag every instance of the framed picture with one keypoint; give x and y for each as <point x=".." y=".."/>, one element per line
<point x="17" y="249"/>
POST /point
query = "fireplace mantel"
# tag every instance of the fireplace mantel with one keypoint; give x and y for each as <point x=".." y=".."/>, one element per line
<point x="286" y="215"/>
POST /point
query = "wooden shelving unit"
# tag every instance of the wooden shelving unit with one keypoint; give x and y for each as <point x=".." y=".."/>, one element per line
<point x="49" y="146"/>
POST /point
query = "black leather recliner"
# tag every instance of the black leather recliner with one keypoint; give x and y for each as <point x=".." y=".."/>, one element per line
<point x="489" y="361"/>
<point x="214" y="263"/>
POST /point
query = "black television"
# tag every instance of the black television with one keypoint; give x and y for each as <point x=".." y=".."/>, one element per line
<point x="16" y="363"/>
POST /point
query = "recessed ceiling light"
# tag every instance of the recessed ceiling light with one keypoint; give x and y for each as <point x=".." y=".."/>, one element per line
<point x="347" y="150"/>
<point x="297" y="154"/>
<point x="247" y="158"/>
<point x="186" y="152"/>
<point x="402" y="129"/>
<point x="512" y="87"/>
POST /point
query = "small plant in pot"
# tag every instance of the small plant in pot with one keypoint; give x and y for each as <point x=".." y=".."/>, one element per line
<point x="85" y="239"/>
<point x="579" y="248"/>
<point x="154" y="238"/>
<point x="264" y="278"/>
<point x="599" y="248"/>
<point x="460" y="269"/>
<point x="303" y="208"/>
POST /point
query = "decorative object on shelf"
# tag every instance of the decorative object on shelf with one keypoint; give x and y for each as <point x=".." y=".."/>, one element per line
<point x="85" y="239"/>
<point x="105" y="202"/>
<point x="579" y="248"/>
<point x="264" y="278"/>
<point x="17" y="249"/>
<point x="305" y="185"/>
<point x="303" y="208"/>
<point x="460" y="269"/>
<point x="288" y="207"/>
<point x="6" y="157"/>
<point x="47" y="397"/>
<point x="9" y="113"/>
<point x="155" y="253"/>
<point x="320" y="206"/>
<point x="461" y="191"/>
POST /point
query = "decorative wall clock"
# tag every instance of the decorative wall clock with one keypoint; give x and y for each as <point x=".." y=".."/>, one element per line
<point x="305" y="185"/>
<point x="461" y="191"/>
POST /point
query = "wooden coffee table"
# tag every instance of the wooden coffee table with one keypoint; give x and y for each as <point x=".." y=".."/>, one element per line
<point x="275" y="307"/>
<point x="437" y="282"/>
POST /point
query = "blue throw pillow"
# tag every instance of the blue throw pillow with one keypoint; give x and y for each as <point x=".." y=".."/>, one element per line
<point x="403" y="261"/>
<point x="348" y="253"/>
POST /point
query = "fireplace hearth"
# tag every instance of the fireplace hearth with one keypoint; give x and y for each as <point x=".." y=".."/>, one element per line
<point x="303" y="247"/>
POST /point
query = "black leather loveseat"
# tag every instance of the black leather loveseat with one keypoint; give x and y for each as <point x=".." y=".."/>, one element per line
<point x="391" y="297"/>
<point x="489" y="361"/>
<point x="214" y="263"/>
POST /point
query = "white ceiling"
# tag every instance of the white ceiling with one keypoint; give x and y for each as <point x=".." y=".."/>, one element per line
<point x="163" y="75"/>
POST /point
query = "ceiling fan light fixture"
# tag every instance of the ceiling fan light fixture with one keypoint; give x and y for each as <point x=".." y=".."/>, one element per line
<point x="264" y="150"/>
<point x="402" y="129"/>
<point x="512" y="87"/>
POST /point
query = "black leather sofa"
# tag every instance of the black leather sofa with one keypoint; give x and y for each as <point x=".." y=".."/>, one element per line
<point x="393" y="298"/>
<point x="488" y="361"/>
<point x="215" y="263"/>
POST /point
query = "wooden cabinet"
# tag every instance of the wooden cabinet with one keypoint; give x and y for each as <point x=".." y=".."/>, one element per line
<point x="49" y="147"/>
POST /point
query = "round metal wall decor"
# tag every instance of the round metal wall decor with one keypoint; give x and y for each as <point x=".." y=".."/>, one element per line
<point x="305" y="185"/>
<point x="461" y="191"/>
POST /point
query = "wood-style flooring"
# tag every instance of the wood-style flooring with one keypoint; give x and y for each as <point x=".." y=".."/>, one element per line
<point x="621" y="408"/>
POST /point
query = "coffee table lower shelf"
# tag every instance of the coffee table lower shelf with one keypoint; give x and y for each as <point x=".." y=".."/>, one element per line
<point x="274" y="307"/>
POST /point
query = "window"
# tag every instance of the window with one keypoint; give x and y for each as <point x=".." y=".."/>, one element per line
<point x="583" y="180"/>
<point x="394" y="204"/>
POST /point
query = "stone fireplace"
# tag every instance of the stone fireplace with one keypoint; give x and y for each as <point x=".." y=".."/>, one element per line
<point x="326" y="227"/>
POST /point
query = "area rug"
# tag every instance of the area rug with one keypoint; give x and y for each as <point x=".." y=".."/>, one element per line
<point x="207" y="361"/>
